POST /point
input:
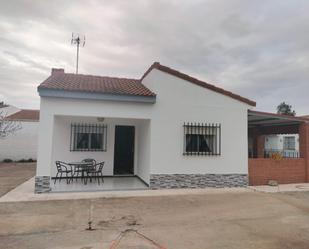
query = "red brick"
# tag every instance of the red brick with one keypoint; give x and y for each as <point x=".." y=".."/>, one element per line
<point x="261" y="170"/>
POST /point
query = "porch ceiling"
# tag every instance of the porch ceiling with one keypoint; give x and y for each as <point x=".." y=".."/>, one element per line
<point x="264" y="119"/>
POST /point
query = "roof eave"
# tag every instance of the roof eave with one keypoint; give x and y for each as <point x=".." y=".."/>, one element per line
<point x="59" y="93"/>
<point x="276" y="116"/>
<point x="22" y="120"/>
<point x="165" y="69"/>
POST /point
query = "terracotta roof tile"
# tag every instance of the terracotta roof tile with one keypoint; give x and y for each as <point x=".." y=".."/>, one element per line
<point x="122" y="86"/>
<point x="305" y="117"/>
<point x="95" y="84"/>
<point x="31" y="115"/>
<point x="195" y="81"/>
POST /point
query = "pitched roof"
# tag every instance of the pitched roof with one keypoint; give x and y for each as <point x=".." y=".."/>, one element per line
<point x="25" y="115"/>
<point x="95" y="84"/>
<point x="195" y="81"/>
<point x="305" y="116"/>
<point x="59" y="80"/>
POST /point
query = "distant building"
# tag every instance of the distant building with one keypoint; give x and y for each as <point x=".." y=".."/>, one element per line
<point x="23" y="143"/>
<point x="285" y="144"/>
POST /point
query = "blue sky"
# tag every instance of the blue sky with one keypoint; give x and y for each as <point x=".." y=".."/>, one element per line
<point x="258" y="49"/>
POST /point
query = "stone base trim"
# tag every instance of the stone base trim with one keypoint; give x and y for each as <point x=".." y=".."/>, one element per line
<point x="170" y="181"/>
<point x="42" y="184"/>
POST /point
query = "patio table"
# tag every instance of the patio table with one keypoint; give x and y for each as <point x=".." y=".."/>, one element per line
<point x="83" y="166"/>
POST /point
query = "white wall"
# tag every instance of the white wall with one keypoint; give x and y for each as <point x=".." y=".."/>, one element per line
<point x="272" y="142"/>
<point x="276" y="142"/>
<point x="22" y="144"/>
<point x="144" y="143"/>
<point x="179" y="101"/>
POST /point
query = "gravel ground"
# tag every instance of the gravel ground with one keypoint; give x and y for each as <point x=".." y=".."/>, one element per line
<point x="14" y="174"/>
<point x="220" y="220"/>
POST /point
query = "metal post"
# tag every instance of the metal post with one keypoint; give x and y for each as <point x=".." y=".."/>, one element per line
<point x="77" y="41"/>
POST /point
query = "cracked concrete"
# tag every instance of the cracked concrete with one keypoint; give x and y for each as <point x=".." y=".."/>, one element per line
<point x="210" y="220"/>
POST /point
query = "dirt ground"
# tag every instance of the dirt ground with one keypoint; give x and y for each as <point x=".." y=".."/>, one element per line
<point x="14" y="174"/>
<point x="222" y="220"/>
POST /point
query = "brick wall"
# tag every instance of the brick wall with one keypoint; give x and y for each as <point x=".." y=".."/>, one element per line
<point x="260" y="145"/>
<point x="261" y="170"/>
<point x="304" y="145"/>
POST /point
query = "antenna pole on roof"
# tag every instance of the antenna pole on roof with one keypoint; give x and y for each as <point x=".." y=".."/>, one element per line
<point x="76" y="39"/>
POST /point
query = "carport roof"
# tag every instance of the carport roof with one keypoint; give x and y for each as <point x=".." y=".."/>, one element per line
<point x="259" y="119"/>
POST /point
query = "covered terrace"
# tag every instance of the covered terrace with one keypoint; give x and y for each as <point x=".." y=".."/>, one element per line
<point x="265" y="166"/>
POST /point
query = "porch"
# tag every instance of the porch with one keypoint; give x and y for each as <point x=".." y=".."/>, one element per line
<point x="271" y="157"/>
<point x="121" y="145"/>
<point x="111" y="183"/>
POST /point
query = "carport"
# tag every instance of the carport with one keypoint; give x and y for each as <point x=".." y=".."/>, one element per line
<point x="263" y="168"/>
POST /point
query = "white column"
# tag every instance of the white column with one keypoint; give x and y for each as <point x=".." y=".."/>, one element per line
<point x="45" y="143"/>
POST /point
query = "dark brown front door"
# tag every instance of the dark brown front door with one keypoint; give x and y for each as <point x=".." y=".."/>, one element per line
<point x="124" y="150"/>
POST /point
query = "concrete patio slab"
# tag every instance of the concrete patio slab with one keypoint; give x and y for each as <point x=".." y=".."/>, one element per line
<point x="25" y="192"/>
<point x="110" y="183"/>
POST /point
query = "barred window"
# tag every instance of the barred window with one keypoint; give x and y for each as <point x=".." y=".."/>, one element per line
<point x="88" y="137"/>
<point x="202" y="139"/>
<point x="289" y="143"/>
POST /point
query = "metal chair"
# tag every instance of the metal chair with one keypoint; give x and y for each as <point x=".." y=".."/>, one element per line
<point x="63" y="168"/>
<point x="96" y="172"/>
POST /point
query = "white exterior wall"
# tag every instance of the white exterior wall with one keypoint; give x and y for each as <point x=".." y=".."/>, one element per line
<point x="272" y="143"/>
<point x="179" y="101"/>
<point x="276" y="142"/>
<point x="143" y="161"/>
<point x="22" y="144"/>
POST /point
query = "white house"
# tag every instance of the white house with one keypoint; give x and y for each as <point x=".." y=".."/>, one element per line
<point x="168" y="129"/>
<point x="22" y="144"/>
<point x="285" y="144"/>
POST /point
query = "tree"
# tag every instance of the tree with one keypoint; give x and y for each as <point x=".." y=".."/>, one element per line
<point x="2" y="104"/>
<point x="7" y="126"/>
<point x="286" y="109"/>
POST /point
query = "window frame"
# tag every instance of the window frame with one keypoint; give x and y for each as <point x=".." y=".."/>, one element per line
<point x="202" y="130"/>
<point x="286" y="138"/>
<point x="88" y="129"/>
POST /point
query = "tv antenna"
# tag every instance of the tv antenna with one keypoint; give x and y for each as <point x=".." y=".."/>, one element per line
<point x="79" y="41"/>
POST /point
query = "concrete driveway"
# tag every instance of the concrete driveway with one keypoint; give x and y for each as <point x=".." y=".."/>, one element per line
<point x="214" y="220"/>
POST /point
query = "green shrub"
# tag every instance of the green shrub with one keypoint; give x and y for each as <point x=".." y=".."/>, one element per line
<point x="30" y="160"/>
<point x="7" y="160"/>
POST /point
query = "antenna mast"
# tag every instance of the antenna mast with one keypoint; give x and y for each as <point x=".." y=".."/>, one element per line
<point x="79" y="41"/>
